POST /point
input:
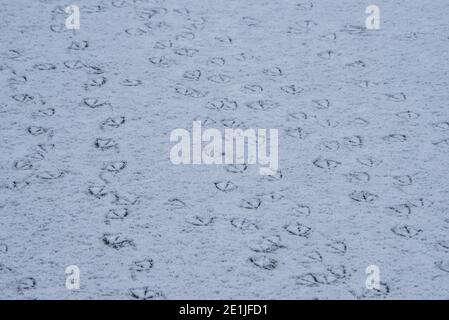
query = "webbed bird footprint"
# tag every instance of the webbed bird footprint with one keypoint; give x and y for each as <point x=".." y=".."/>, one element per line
<point x="26" y="284"/>
<point x="313" y="279"/>
<point x="297" y="132"/>
<point x="105" y="144"/>
<point x="98" y="191"/>
<point x="252" y="203"/>
<point x="50" y="174"/>
<point x="201" y="221"/>
<point x="326" y="163"/>
<point x="330" y="276"/>
<point x="144" y="265"/>
<point x="225" y="186"/>
<point x="443" y="265"/>
<point x="222" y="104"/>
<point x="301" y="210"/>
<point x="274" y="71"/>
<point x="117" y="214"/>
<point x="337" y="247"/>
<point x="192" y="75"/>
<point x="363" y="196"/>
<point x="402" y="209"/>
<point x="236" y="168"/>
<point x="117" y="241"/>
<point x="397" y="97"/>
<point x="124" y="200"/>
<point x="404" y="180"/>
<point x="274" y="177"/>
<point x="262" y="105"/>
<point x="37" y="130"/>
<point x="406" y="231"/>
<point x="244" y="224"/>
<point x="264" y="262"/>
<point x="190" y="92"/>
<point x="358" y="177"/>
<point x="175" y="203"/>
<point x="95" y="103"/>
<point x="353" y="141"/>
<point x="298" y="229"/>
<point x="162" y="61"/>
<point x="292" y="89"/>
<point x="3" y="247"/>
<point x="146" y="293"/>
<point x="188" y="52"/>
<point x="113" y="122"/>
<point x="114" y="166"/>
<point x="267" y="244"/>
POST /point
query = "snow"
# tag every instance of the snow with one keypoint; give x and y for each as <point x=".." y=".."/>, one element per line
<point x="86" y="178"/>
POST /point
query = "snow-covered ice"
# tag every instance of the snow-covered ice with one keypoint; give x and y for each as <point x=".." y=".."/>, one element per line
<point x="85" y="171"/>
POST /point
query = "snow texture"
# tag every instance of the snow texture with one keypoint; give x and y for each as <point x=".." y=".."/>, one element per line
<point x="86" y="178"/>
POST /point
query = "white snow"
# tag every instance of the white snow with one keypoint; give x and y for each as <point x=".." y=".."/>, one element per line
<point x="86" y="178"/>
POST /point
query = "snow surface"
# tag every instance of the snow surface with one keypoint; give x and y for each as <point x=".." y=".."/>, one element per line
<point x="86" y="179"/>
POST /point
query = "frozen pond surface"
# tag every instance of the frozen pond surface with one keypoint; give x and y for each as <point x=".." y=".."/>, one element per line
<point x="86" y="178"/>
